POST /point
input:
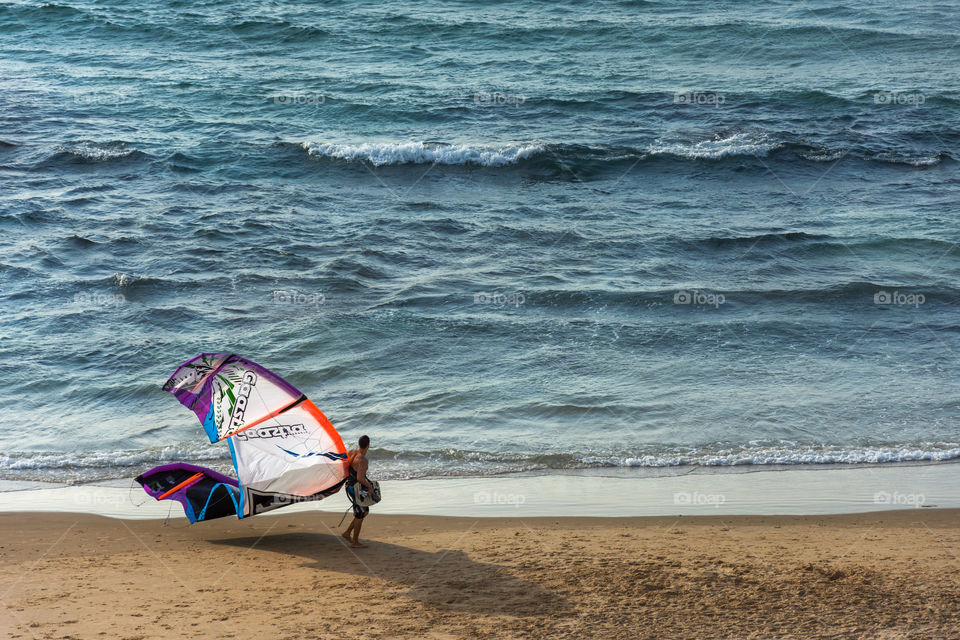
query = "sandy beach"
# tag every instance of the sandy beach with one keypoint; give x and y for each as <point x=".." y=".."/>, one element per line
<point x="878" y="575"/>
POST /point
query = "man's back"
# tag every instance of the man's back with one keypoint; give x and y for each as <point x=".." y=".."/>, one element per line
<point x="358" y="466"/>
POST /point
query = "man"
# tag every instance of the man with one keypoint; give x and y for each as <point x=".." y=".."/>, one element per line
<point x="357" y="461"/>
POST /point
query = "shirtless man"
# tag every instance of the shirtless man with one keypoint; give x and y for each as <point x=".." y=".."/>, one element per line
<point x="357" y="461"/>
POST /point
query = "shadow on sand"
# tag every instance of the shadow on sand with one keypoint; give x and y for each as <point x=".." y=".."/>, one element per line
<point x="444" y="578"/>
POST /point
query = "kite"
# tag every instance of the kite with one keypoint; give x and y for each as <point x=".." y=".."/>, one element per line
<point x="284" y="449"/>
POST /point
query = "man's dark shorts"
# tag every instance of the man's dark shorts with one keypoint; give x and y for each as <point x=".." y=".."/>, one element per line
<point x="358" y="512"/>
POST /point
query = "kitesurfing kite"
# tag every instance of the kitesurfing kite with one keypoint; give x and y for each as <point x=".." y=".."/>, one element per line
<point x="284" y="449"/>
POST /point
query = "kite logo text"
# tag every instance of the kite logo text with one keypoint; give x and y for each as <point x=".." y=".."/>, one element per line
<point x="243" y="392"/>
<point x="281" y="431"/>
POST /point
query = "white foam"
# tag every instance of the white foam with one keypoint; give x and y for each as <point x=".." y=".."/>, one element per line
<point x="738" y="144"/>
<point x="122" y="280"/>
<point x="913" y="162"/>
<point x="825" y="156"/>
<point x="99" y="465"/>
<point x="97" y="152"/>
<point x="109" y="459"/>
<point x="422" y="153"/>
<point x="783" y="456"/>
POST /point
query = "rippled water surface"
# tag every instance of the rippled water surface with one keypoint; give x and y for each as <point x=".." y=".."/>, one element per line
<point x="494" y="236"/>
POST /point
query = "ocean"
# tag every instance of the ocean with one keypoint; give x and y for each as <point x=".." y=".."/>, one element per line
<point x="495" y="236"/>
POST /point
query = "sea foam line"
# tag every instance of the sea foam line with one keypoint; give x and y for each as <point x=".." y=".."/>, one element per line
<point x="97" y="152"/>
<point x="781" y="456"/>
<point x="109" y="459"/>
<point x="397" y="464"/>
<point x="382" y="154"/>
<point x="738" y="144"/>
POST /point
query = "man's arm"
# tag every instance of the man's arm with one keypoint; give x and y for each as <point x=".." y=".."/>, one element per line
<point x="362" y="474"/>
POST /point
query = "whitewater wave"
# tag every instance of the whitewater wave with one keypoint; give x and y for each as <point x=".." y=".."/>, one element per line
<point x="766" y="456"/>
<point x="714" y="456"/>
<point x="116" y="458"/>
<point x="89" y="466"/>
<point x="914" y="161"/>
<point x="399" y="465"/>
<point x="737" y="144"/>
<point x="829" y="155"/>
<point x="97" y="152"/>
<point x="382" y="154"/>
<point x="579" y="158"/>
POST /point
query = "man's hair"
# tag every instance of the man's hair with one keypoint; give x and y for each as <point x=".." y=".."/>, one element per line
<point x="364" y="442"/>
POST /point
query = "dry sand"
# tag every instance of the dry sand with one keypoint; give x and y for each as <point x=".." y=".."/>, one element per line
<point x="881" y="575"/>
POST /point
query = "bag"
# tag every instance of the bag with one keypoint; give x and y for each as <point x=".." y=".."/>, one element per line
<point x="364" y="498"/>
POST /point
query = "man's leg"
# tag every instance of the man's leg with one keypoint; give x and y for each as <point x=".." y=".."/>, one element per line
<point x="346" y="534"/>
<point x="356" y="534"/>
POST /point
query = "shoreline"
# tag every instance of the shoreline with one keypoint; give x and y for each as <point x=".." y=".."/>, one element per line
<point x="621" y="494"/>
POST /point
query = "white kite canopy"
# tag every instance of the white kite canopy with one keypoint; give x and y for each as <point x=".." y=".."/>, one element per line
<point x="294" y="456"/>
<point x="284" y="449"/>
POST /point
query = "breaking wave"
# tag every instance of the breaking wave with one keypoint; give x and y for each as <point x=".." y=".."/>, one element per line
<point x="423" y="153"/>
<point x="737" y="144"/>
<point x="587" y="157"/>
<point x="401" y="465"/>
<point x="89" y="152"/>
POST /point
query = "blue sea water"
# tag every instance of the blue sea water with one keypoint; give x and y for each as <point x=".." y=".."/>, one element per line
<point x="495" y="236"/>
